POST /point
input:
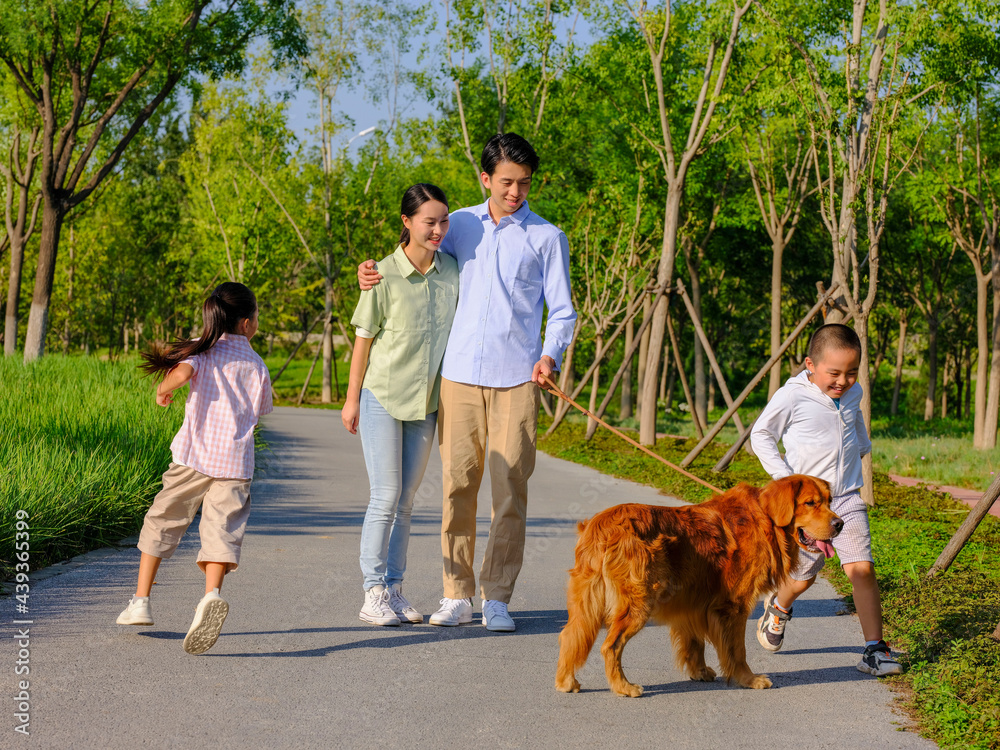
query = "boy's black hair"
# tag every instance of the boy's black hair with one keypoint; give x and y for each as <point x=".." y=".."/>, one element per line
<point x="832" y="336"/>
<point x="507" y="147"/>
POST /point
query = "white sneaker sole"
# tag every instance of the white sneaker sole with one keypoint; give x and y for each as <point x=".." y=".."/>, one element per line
<point x="415" y="618"/>
<point x="862" y="667"/>
<point x="123" y="620"/>
<point x="500" y="627"/>
<point x="373" y="620"/>
<point x="207" y="624"/>
<point x="450" y="623"/>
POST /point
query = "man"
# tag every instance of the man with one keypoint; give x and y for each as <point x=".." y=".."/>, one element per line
<point x="512" y="264"/>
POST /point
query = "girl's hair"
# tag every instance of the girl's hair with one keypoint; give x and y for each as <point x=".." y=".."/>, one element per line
<point x="414" y="197"/>
<point x="230" y="303"/>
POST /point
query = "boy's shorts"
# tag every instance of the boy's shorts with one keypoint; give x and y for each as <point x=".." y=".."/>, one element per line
<point x="225" y="507"/>
<point x="853" y="543"/>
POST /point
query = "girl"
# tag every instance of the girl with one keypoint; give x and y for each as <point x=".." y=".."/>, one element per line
<point x="212" y="455"/>
<point x="392" y="397"/>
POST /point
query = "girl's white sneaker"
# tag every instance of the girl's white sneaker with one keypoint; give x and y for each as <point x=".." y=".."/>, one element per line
<point x="138" y="612"/>
<point x="208" y="618"/>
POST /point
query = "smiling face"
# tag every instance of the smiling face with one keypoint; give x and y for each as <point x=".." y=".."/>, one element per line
<point x="835" y="371"/>
<point x="427" y="226"/>
<point x="508" y="186"/>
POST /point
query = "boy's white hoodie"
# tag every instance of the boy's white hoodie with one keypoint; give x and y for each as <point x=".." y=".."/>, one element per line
<point x="820" y="440"/>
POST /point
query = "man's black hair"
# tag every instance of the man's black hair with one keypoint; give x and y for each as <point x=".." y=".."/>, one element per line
<point x="507" y="147"/>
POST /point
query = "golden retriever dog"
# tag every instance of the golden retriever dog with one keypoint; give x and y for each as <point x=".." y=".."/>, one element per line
<point x="699" y="569"/>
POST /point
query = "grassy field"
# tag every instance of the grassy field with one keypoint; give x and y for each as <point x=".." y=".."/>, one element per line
<point x="82" y="449"/>
<point x="944" y="626"/>
<point x="289" y="385"/>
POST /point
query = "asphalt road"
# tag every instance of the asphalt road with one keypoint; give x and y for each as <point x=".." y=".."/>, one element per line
<point x="296" y="668"/>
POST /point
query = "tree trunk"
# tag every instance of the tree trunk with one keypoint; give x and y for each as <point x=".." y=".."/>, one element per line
<point x="864" y="380"/>
<point x="663" y="375"/>
<point x="944" y="389"/>
<point x="701" y="385"/>
<point x="657" y="329"/>
<point x="982" y="361"/>
<point x="989" y="436"/>
<point x="38" y="317"/>
<point x="777" y="251"/>
<point x="594" y="386"/>
<point x="626" y="406"/>
<point x="13" y="297"/>
<point x="647" y="310"/>
<point x="932" y="364"/>
<point x="326" y="392"/>
<point x="900" y="352"/>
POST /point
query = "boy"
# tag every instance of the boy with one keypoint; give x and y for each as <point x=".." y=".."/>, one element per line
<point x="817" y="415"/>
<point x="512" y="265"/>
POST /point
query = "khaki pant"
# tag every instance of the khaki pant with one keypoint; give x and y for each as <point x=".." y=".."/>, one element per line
<point x="471" y="420"/>
<point x="225" y="507"/>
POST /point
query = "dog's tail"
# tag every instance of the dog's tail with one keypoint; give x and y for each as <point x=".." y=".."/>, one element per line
<point x="585" y="607"/>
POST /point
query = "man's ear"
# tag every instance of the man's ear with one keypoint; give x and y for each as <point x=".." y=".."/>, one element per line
<point x="778" y="499"/>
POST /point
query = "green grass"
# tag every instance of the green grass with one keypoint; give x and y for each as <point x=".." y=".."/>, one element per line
<point x="82" y="449"/>
<point x="938" y="451"/>
<point x="289" y="385"/>
<point x="952" y="679"/>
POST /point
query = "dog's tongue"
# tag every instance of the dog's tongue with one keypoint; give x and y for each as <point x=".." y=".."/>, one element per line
<point x="825" y="547"/>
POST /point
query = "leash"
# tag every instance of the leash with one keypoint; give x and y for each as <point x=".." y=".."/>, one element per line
<point x="557" y="391"/>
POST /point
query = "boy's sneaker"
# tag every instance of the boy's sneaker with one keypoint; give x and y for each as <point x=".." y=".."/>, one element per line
<point x="771" y="625"/>
<point x="401" y="606"/>
<point x="377" y="610"/>
<point x="496" y="617"/>
<point x="208" y="618"/>
<point x="453" y="612"/>
<point x="878" y="660"/>
<point x="138" y="612"/>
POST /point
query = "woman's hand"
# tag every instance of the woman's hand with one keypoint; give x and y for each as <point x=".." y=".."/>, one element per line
<point x="349" y="416"/>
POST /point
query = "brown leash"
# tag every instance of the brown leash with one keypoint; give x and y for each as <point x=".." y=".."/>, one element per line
<point x="556" y="390"/>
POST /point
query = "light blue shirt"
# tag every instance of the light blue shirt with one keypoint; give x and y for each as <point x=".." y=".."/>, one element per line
<point x="508" y="273"/>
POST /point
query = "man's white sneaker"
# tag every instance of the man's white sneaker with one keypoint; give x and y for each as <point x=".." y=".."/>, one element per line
<point x="138" y="612"/>
<point x="207" y="624"/>
<point x="453" y="612"/>
<point x="377" y="610"/>
<point x="495" y="616"/>
<point x="401" y="606"/>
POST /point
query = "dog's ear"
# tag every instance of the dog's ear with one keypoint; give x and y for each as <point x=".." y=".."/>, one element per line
<point x="778" y="499"/>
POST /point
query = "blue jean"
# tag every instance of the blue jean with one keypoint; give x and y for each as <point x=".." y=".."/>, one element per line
<point x="396" y="454"/>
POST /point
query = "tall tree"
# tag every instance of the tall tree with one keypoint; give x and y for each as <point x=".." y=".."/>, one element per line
<point x="21" y="202"/>
<point x="676" y="120"/>
<point x="96" y="70"/>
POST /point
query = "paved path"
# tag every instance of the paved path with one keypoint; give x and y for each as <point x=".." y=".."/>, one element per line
<point x="962" y="494"/>
<point x="295" y="668"/>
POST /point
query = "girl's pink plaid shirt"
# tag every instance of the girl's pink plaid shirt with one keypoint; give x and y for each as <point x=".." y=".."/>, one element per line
<point x="230" y="391"/>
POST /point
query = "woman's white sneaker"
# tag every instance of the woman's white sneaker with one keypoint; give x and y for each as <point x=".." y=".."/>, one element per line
<point x="401" y="606"/>
<point x="453" y="612"/>
<point x="377" y="610"/>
